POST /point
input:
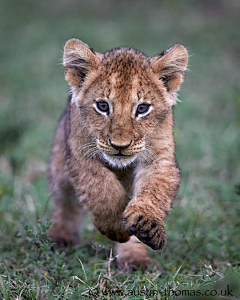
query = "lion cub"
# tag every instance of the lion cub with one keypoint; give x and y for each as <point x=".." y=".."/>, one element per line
<point x="113" y="152"/>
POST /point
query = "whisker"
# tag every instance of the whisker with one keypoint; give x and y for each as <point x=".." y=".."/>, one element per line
<point x="93" y="154"/>
<point x="90" y="151"/>
<point x="93" y="138"/>
<point x="150" y="151"/>
<point x="145" y="156"/>
<point x="80" y="130"/>
<point x="152" y="155"/>
<point x="82" y="153"/>
<point x="85" y="146"/>
<point x="147" y="146"/>
<point x="157" y="138"/>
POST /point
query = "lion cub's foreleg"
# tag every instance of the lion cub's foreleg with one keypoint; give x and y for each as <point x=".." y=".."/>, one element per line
<point x="67" y="218"/>
<point x="103" y="195"/>
<point x="69" y="212"/>
<point x="154" y="190"/>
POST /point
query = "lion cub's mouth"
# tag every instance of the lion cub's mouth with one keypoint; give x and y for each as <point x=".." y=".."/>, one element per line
<point x="119" y="160"/>
<point x="121" y="154"/>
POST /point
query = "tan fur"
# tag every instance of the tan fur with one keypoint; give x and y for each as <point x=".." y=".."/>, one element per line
<point x="127" y="194"/>
<point x="133" y="255"/>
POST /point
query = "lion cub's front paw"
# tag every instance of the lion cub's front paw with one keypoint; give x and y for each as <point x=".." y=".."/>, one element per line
<point x="62" y="235"/>
<point x="145" y="227"/>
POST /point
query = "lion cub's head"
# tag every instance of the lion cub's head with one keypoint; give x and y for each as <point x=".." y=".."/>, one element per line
<point x="123" y="97"/>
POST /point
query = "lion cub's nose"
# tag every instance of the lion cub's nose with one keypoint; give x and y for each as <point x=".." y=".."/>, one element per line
<point x="119" y="147"/>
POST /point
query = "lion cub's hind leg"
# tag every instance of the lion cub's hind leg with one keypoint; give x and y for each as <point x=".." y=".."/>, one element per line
<point x="133" y="256"/>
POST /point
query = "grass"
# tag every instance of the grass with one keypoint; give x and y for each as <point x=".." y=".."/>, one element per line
<point x="203" y="228"/>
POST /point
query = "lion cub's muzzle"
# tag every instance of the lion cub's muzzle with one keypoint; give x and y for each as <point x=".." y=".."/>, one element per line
<point x="123" y="149"/>
<point x="119" y="155"/>
<point x="114" y="148"/>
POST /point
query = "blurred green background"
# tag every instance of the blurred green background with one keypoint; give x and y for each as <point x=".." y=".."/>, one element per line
<point x="205" y="220"/>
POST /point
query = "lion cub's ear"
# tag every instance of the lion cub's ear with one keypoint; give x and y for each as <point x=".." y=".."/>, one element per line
<point x="78" y="60"/>
<point x="170" y="66"/>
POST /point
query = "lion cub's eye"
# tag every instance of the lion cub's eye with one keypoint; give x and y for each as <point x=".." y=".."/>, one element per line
<point x="142" y="108"/>
<point x="103" y="106"/>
